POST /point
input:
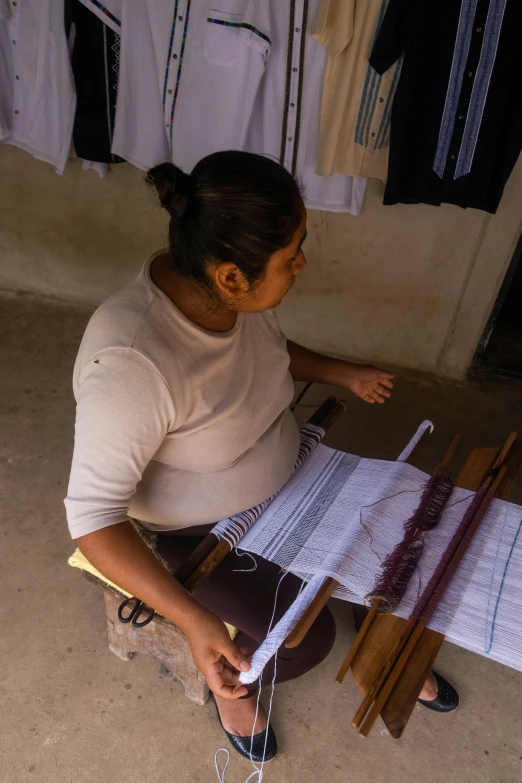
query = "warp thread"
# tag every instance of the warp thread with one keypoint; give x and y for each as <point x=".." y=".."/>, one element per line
<point x="399" y="565"/>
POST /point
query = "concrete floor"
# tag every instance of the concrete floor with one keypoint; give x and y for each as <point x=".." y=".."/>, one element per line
<point x="72" y="711"/>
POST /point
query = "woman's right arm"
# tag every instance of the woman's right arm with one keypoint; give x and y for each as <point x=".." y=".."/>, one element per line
<point x="124" y="410"/>
<point x="119" y="554"/>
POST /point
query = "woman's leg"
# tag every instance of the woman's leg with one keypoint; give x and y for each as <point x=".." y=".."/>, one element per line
<point x="246" y="600"/>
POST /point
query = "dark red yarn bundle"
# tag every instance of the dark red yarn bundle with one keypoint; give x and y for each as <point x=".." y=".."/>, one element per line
<point x="399" y="565"/>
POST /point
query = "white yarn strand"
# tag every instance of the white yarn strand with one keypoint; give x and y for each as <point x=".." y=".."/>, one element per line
<point x="286" y="624"/>
<point x="426" y="425"/>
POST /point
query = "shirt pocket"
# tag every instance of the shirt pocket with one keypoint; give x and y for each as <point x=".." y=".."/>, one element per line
<point x="227" y="34"/>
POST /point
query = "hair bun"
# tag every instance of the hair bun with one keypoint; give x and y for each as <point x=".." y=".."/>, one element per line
<point x="173" y="187"/>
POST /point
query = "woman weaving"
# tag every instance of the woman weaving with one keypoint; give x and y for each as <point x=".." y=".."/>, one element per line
<point x="183" y="383"/>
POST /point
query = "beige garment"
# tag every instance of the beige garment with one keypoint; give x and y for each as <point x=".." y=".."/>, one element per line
<point x="175" y="425"/>
<point x="356" y="106"/>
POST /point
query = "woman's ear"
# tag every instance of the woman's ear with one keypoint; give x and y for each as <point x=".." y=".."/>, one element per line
<point x="229" y="280"/>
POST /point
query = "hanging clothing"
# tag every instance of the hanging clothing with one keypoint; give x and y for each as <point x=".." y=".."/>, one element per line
<point x="457" y="117"/>
<point x="95" y="64"/>
<point x="286" y="116"/>
<point x="357" y="101"/>
<point x="189" y="73"/>
<point x="37" y="99"/>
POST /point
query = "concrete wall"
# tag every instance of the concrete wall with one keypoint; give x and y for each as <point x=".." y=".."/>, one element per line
<point x="407" y="286"/>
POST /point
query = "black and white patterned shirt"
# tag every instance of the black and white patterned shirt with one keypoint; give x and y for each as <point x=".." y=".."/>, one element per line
<point x="457" y="117"/>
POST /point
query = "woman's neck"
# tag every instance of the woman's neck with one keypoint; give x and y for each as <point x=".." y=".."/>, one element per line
<point x="192" y="302"/>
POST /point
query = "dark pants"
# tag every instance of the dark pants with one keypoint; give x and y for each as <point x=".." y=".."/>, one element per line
<point x="246" y="601"/>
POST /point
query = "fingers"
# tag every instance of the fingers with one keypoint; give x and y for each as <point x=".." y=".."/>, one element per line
<point x="384" y="374"/>
<point x="234" y="656"/>
<point x="220" y="688"/>
<point x="385" y="382"/>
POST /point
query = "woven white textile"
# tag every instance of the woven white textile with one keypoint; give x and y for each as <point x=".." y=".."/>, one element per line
<point x="340" y="515"/>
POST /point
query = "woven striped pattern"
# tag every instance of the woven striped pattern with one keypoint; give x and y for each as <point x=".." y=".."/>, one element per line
<point x="234" y="528"/>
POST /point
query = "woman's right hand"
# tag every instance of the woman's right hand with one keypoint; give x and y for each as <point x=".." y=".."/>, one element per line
<point x="216" y="656"/>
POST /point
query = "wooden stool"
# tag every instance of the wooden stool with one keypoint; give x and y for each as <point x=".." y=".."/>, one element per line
<point x="160" y="637"/>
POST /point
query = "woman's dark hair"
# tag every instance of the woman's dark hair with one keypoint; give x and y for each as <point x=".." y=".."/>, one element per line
<point x="235" y="206"/>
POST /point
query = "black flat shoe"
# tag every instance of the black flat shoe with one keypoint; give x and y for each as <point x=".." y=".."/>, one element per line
<point x="447" y="698"/>
<point x="261" y="747"/>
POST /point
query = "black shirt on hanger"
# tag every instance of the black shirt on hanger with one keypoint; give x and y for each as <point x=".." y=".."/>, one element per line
<point x="456" y="127"/>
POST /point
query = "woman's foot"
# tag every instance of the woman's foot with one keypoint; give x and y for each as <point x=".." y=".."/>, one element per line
<point x="438" y="694"/>
<point x="237" y="719"/>
<point x="237" y="715"/>
<point x="430" y="689"/>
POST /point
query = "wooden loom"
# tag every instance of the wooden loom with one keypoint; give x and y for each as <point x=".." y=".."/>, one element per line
<point x="391" y="657"/>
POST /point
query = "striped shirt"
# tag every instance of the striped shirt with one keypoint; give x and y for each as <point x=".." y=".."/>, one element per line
<point x="456" y="129"/>
<point x="357" y="101"/>
<point x="286" y="116"/>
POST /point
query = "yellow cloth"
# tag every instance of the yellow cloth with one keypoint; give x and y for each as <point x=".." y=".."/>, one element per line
<point x="77" y="560"/>
<point x="356" y="104"/>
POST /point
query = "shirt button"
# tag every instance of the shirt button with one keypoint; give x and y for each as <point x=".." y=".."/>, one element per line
<point x="294" y="70"/>
<point x="14" y="42"/>
<point x="169" y="92"/>
<point x="292" y="105"/>
<point x="479" y="29"/>
<point x="289" y="138"/>
<point x="298" y="29"/>
<point x="461" y="116"/>
<point x="180" y="18"/>
<point x="452" y="157"/>
<point x="17" y="77"/>
<point x="373" y="134"/>
<point x="16" y="111"/>
<point x="15" y="3"/>
<point x="175" y="56"/>
<point x="381" y="100"/>
<point x="470" y="73"/>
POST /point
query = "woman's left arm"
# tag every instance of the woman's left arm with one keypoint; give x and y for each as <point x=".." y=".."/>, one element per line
<point x="363" y="380"/>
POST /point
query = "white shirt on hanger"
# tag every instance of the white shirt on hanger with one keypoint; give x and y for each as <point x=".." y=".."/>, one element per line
<point x="286" y="117"/>
<point x="189" y="74"/>
<point x="37" y="97"/>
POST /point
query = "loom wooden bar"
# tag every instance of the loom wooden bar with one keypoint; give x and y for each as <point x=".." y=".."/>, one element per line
<point x="305" y="623"/>
<point x="200" y="553"/>
<point x="361" y="635"/>
<point x="209" y="564"/>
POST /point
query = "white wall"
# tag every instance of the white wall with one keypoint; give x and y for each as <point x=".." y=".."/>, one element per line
<point x="409" y="286"/>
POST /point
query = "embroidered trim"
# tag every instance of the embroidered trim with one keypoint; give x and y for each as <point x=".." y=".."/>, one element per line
<point x="242" y="26"/>
<point x="302" y="56"/>
<point x="169" y="55"/>
<point x="107" y="91"/>
<point x="370" y="94"/>
<point x="481" y="87"/>
<point x="383" y="135"/>
<point x="178" y="77"/>
<point x="460" y="56"/>
<point x="106" y="12"/>
<point x="288" y="81"/>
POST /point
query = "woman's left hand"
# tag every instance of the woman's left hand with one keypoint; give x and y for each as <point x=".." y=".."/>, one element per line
<point x="369" y="383"/>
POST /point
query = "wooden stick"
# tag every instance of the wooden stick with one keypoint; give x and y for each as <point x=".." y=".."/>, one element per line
<point x="396" y="667"/>
<point x="196" y="557"/>
<point x="390" y="681"/>
<point x="209" y="564"/>
<point x="383" y="674"/>
<point x="359" y="639"/>
<point x="296" y="636"/>
<point x="451" y="451"/>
